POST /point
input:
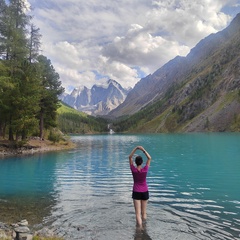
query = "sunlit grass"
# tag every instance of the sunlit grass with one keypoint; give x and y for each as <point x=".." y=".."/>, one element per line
<point x="46" y="238"/>
<point x="66" y="109"/>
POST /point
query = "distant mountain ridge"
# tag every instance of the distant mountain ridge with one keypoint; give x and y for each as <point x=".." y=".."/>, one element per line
<point x="99" y="100"/>
<point x="199" y="92"/>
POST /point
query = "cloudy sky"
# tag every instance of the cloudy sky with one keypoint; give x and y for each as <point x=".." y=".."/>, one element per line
<point x="89" y="41"/>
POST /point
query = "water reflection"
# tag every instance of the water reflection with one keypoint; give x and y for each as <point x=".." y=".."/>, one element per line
<point x="85" y="193"/>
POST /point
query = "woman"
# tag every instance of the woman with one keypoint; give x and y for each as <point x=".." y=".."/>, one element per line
<point x="140" y="193"/>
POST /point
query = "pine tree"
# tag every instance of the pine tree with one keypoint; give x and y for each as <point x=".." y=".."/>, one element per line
<point x="27" y="101"/>
<point x="34" y="43"/>
<point x="29" y="84"/>
<point x="5" y="92"/>
<point x="16" y="52"/>
<point x="3" y="28"/>
<point x="50" y="90"/>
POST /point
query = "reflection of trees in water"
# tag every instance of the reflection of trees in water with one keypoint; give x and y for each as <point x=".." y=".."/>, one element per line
<point x="142" y="234"/>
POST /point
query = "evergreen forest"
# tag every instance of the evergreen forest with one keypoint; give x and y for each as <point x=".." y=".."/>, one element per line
<point x="72" y="121"/>
<point x="29" y="85"/>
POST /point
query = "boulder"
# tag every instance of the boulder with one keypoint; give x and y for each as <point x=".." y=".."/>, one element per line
<point x="22" y="233"/>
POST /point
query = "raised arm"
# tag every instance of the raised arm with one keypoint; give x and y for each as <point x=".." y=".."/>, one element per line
<point x="147" y="155"/>
<point x="131" y="155"/>
<point x="144" y="151"/>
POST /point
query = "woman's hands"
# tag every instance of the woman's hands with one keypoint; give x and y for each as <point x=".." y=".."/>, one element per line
<point x="140" y="148"/>
<point x="146" y="153"/>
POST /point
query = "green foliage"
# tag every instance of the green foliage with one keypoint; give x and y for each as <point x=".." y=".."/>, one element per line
<point x="129" y="123"/>
<point x="54" y="136"/>
<point x="171" y="122"/>
<point x="171" y="90"/>
<point x="72" y="121"/>
<point x="64" y="108"/>
<point x="235" y="124"/>
<point x="49" y="92"/>
<point x="29" y="84"/>
<point x="202" y="91"/>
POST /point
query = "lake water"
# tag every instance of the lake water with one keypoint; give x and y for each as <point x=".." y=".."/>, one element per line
<point x="85" y="193"/>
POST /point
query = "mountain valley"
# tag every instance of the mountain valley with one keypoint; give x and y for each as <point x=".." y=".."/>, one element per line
<point x="196" y="93"/>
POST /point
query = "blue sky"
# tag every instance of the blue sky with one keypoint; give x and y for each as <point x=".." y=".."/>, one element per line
<point x="94" y="40"/>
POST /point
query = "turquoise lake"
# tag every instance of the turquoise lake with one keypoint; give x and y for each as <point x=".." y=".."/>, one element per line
<point x="85" y="193"/>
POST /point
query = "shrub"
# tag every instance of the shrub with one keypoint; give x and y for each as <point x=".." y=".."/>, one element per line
<point x="54" y="136"/>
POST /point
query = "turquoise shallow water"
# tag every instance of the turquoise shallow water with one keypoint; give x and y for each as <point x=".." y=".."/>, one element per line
<point x="85" y="193"/>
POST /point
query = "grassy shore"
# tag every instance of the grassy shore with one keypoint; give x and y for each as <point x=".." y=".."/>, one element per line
<point x="31" y="146"/>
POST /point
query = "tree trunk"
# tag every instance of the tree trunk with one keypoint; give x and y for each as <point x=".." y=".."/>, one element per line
<point x="17" y="135"/>
<point x="10" y="137"/>
<point x="24" y="135"/>
<point x="10" y="134"/>
<point x="41" y="125"/>
<point x="1" y="130"/>
<point x="4" y="130"/>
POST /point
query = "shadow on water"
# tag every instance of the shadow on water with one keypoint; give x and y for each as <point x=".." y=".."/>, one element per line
<point x="142" y="233"/>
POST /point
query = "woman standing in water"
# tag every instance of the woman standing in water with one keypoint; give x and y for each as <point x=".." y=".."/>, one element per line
<point x="140" y="193"/>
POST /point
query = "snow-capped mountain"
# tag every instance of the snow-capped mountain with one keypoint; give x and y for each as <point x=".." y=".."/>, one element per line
<point x="99" y="100"/>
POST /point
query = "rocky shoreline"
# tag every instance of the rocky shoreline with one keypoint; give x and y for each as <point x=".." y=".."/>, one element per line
<point x="21" y="231"/>
<point x="33" y="145"/>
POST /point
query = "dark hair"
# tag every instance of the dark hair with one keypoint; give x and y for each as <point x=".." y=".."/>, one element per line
<point x="138" y="160"/>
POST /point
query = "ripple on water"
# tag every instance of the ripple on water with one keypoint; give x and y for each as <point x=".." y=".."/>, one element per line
<point x="86" y="193"/>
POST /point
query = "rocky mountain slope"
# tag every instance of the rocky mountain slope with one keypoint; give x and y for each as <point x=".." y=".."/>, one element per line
<point x="99" y="100"/>
<point x="199" y="92"/>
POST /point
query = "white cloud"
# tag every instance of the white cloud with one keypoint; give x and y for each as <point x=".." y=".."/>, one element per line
<point x="124" y="74"/>
<point x="140" y="48"/>
<point x="67" y="54"/>
<point x="72" y="78"/>
<point x="89" y="42"/>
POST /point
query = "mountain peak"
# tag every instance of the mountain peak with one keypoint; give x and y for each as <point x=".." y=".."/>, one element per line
<point x="99" y="100"/>
<point x="236" y="20"/>
<point x="107" y="83"/>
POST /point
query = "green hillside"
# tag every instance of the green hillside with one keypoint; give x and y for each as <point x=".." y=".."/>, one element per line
<point x="70" y="120"/>
<point x="173" y="118"/>
<point x="196" y="93"/>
